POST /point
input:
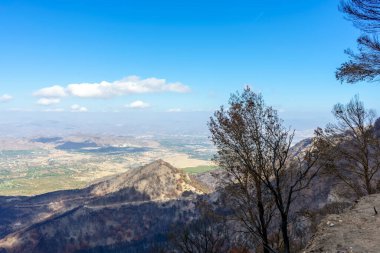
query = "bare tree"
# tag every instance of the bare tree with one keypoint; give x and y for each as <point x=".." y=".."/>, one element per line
<point x="352" y="146"/>
<point x="254" y="148"/>
<point x="207" y="234"/>
<point x="364" y="65"/>
<point x="236" y="134"/>
<point x="365" y="14"/>
<point x="287" y="176"/>
<point x="240" y="196"/>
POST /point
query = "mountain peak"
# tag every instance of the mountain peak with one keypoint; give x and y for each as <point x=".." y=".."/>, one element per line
<point x="158" y="180"/>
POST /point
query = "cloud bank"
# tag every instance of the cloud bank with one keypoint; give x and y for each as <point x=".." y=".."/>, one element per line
<point x="5" y="98"/>
<point x="54" y="91"/>
<point x="78" y="108"/>
<point x="48" y="101"/>
<point x="174" y="110"/>
<point x="105" y="89"/>
<point x="138" y="105"/>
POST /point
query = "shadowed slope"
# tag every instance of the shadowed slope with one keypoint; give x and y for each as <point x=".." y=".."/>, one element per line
<point x="138" y="206"/>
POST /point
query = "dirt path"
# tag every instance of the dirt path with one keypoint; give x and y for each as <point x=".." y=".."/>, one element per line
<point x="357" y="230"/>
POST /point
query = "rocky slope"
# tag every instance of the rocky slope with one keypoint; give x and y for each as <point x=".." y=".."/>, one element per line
<point x="131" y="211"/>
<point x="355" y="230"/>
<point x="158" y="180"/>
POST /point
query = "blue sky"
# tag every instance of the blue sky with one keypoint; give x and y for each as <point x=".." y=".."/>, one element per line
<point x="174" y="55"/>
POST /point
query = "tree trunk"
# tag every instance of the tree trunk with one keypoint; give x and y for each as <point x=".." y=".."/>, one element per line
<point x="260" y="207"/>
<point x="284" y="231"/>
<point x="263" y="228"/>
<point x="367" y="180"/>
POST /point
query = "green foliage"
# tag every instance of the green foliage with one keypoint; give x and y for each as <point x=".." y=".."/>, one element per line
<point x="199" y="169"/>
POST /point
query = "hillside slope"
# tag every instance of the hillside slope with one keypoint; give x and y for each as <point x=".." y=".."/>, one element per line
<point x="356" y="230"/>
<point x="158" y="180"/>
<point x="130" y="211"/>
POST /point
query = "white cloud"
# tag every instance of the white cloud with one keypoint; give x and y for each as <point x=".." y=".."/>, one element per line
<point x="125" y="86"/>
<point x="105" y="89"/>
<point x="48" y="101"/>
<point x="78" y="108"/>
<point x="175" y="110"/>
<point x="138" y="104"/>
<point x="5" y="98"/>
<point x="55" y="91"/>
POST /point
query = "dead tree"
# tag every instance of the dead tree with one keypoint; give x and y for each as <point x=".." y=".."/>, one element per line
<point x="365" y="64"/>
<point x="207" y="234"/>
<point x="254" y="148"/>
<point x="352" y="146"/>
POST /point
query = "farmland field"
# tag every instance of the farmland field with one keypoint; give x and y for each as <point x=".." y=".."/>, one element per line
<point x="199" y="169"/>
<point x="39" y="165"/>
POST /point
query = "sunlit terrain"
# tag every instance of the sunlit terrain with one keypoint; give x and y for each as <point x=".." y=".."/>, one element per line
<point x="39" y="165"/>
